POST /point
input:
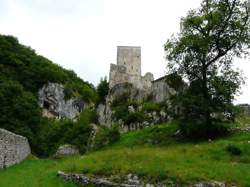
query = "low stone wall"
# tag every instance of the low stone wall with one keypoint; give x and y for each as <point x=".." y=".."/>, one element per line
<point x="13" y="148"/>
<point x="131" y="181"/>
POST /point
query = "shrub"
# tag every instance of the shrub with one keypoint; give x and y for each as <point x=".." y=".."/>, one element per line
<point x="233" y="150"/>
<point x="195" y="129"/>
<point x="150" y="107"/>
<point x="102" y="89"/>
<point x="106" y="136"/>
<point x="134" y="117"/>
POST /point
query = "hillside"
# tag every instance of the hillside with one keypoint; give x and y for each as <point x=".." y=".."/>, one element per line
<point x="22" y="74"/>
<point x="152" y="158"/>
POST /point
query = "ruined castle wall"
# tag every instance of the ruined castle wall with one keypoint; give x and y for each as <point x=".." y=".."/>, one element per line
<point x="117" y="75"/>
<point x="161" y="92"/>
<point x="130" y="57"/>
<point x="13" y="148"/>
<point x="147" y="81"/>
<point x="128" y="69"/>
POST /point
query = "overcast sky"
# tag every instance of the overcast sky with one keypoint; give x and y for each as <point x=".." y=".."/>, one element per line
<point x="82" y="35"/>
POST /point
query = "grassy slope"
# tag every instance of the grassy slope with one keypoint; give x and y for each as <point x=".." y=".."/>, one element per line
<point x="33" y="173"/>
<point x="181" y="162"/>
<point x="156" y="157"/>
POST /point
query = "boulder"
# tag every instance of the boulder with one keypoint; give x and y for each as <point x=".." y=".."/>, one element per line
<point x="13" y="148"/>
<point x="66" y="150"/>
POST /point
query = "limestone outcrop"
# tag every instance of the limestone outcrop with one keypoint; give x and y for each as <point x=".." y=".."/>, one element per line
<point x="66" y="150"/>
<point x="13" y="148"/>
<point x="129" y="181"/>
<point x="52" y="101"/>
<point x="105" y="112"/>
<point x="83" y="180"/>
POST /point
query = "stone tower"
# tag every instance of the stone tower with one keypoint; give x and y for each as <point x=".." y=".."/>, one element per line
<point x="128" y="69"/>
<point x="130" y="57"/>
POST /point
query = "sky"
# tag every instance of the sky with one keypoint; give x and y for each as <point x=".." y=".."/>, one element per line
<point x="83" y="35"/>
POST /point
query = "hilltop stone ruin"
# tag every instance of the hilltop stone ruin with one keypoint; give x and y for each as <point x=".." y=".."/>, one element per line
<point x="125" y="78"/>
<point x="128" y="70"/>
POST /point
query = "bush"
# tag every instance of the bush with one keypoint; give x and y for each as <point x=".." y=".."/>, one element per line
<point x="233" y="150"/>
<point x="106" y="136"/>
<point x="198" y="130"/>
<point x="134" y="117"/>
<point x="150" y="107"/>
<point x="102" y="89"/>
<point x="53" y="133"/>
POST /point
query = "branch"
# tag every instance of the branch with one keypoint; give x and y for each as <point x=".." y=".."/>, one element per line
<point x="220" y="52"/>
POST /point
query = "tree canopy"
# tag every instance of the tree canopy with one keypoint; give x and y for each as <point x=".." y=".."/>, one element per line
<point x="203" y="53"/>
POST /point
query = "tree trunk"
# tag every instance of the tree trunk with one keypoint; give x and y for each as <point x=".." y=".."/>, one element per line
<point x="206" y="96"/>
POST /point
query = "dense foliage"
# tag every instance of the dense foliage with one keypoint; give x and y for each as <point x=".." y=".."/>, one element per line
<point x="54" y="133"/>
<point x="203" y="54"/>
<point x="102" y="90"/>
<point x="106" y="136"/>
<point x="22" y="74"/>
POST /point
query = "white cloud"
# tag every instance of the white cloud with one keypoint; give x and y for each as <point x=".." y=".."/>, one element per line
<point x="83" y="34"/>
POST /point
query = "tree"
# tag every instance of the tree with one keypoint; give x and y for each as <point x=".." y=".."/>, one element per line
<point x="203" y="53"/>
<point x="103" y="89"/>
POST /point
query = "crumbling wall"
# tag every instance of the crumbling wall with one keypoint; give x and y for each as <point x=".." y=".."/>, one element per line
<point x="130" y="57"/>
<point x="161" y="91"/>
<point x="13" y="148"/>
<point x="128" y="69"/>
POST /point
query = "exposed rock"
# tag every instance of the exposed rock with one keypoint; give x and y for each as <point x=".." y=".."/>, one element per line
<point x="53" y="103"/>
<point x="83" y="180"/>
<point x="131" y="109"/>
<point x="13" y="148"/>
<point x="210" y="184"/>
<point x="240" y="129"/>
<point x="127" y="90"/>
<point x="163" y="115"/>
<point x="91" y="142"/>
<point x="66" y="150"/>
<point x="104" y="115"/>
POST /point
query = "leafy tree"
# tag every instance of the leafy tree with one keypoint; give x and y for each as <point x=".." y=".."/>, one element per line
<point x="203" y="53"/>
<point x="103" y="89"/>
<point x="19" y="110"/>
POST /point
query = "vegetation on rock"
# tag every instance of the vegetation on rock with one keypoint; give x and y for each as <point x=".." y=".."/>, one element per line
<point x="22" y="74"/>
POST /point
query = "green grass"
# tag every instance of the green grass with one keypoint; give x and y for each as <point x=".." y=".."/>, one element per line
<point x="151" y="153"/>
<point x="33" y="173"/>
<point x="242" y="121"/>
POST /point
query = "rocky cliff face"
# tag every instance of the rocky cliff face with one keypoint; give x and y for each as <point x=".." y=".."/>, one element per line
<point x="105" y="112"/>
<point x="13" y="148"/>
<point x="53" y="103"/>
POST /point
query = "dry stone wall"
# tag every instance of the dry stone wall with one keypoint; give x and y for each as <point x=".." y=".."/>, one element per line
<point x="13" y="148"/>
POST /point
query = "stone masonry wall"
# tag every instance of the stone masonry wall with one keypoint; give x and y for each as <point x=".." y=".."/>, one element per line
<point x="128" y="69"/>
<point x="130" y="57"/>
<point x="161" y="91"/>
<point x="13" y="148"/>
